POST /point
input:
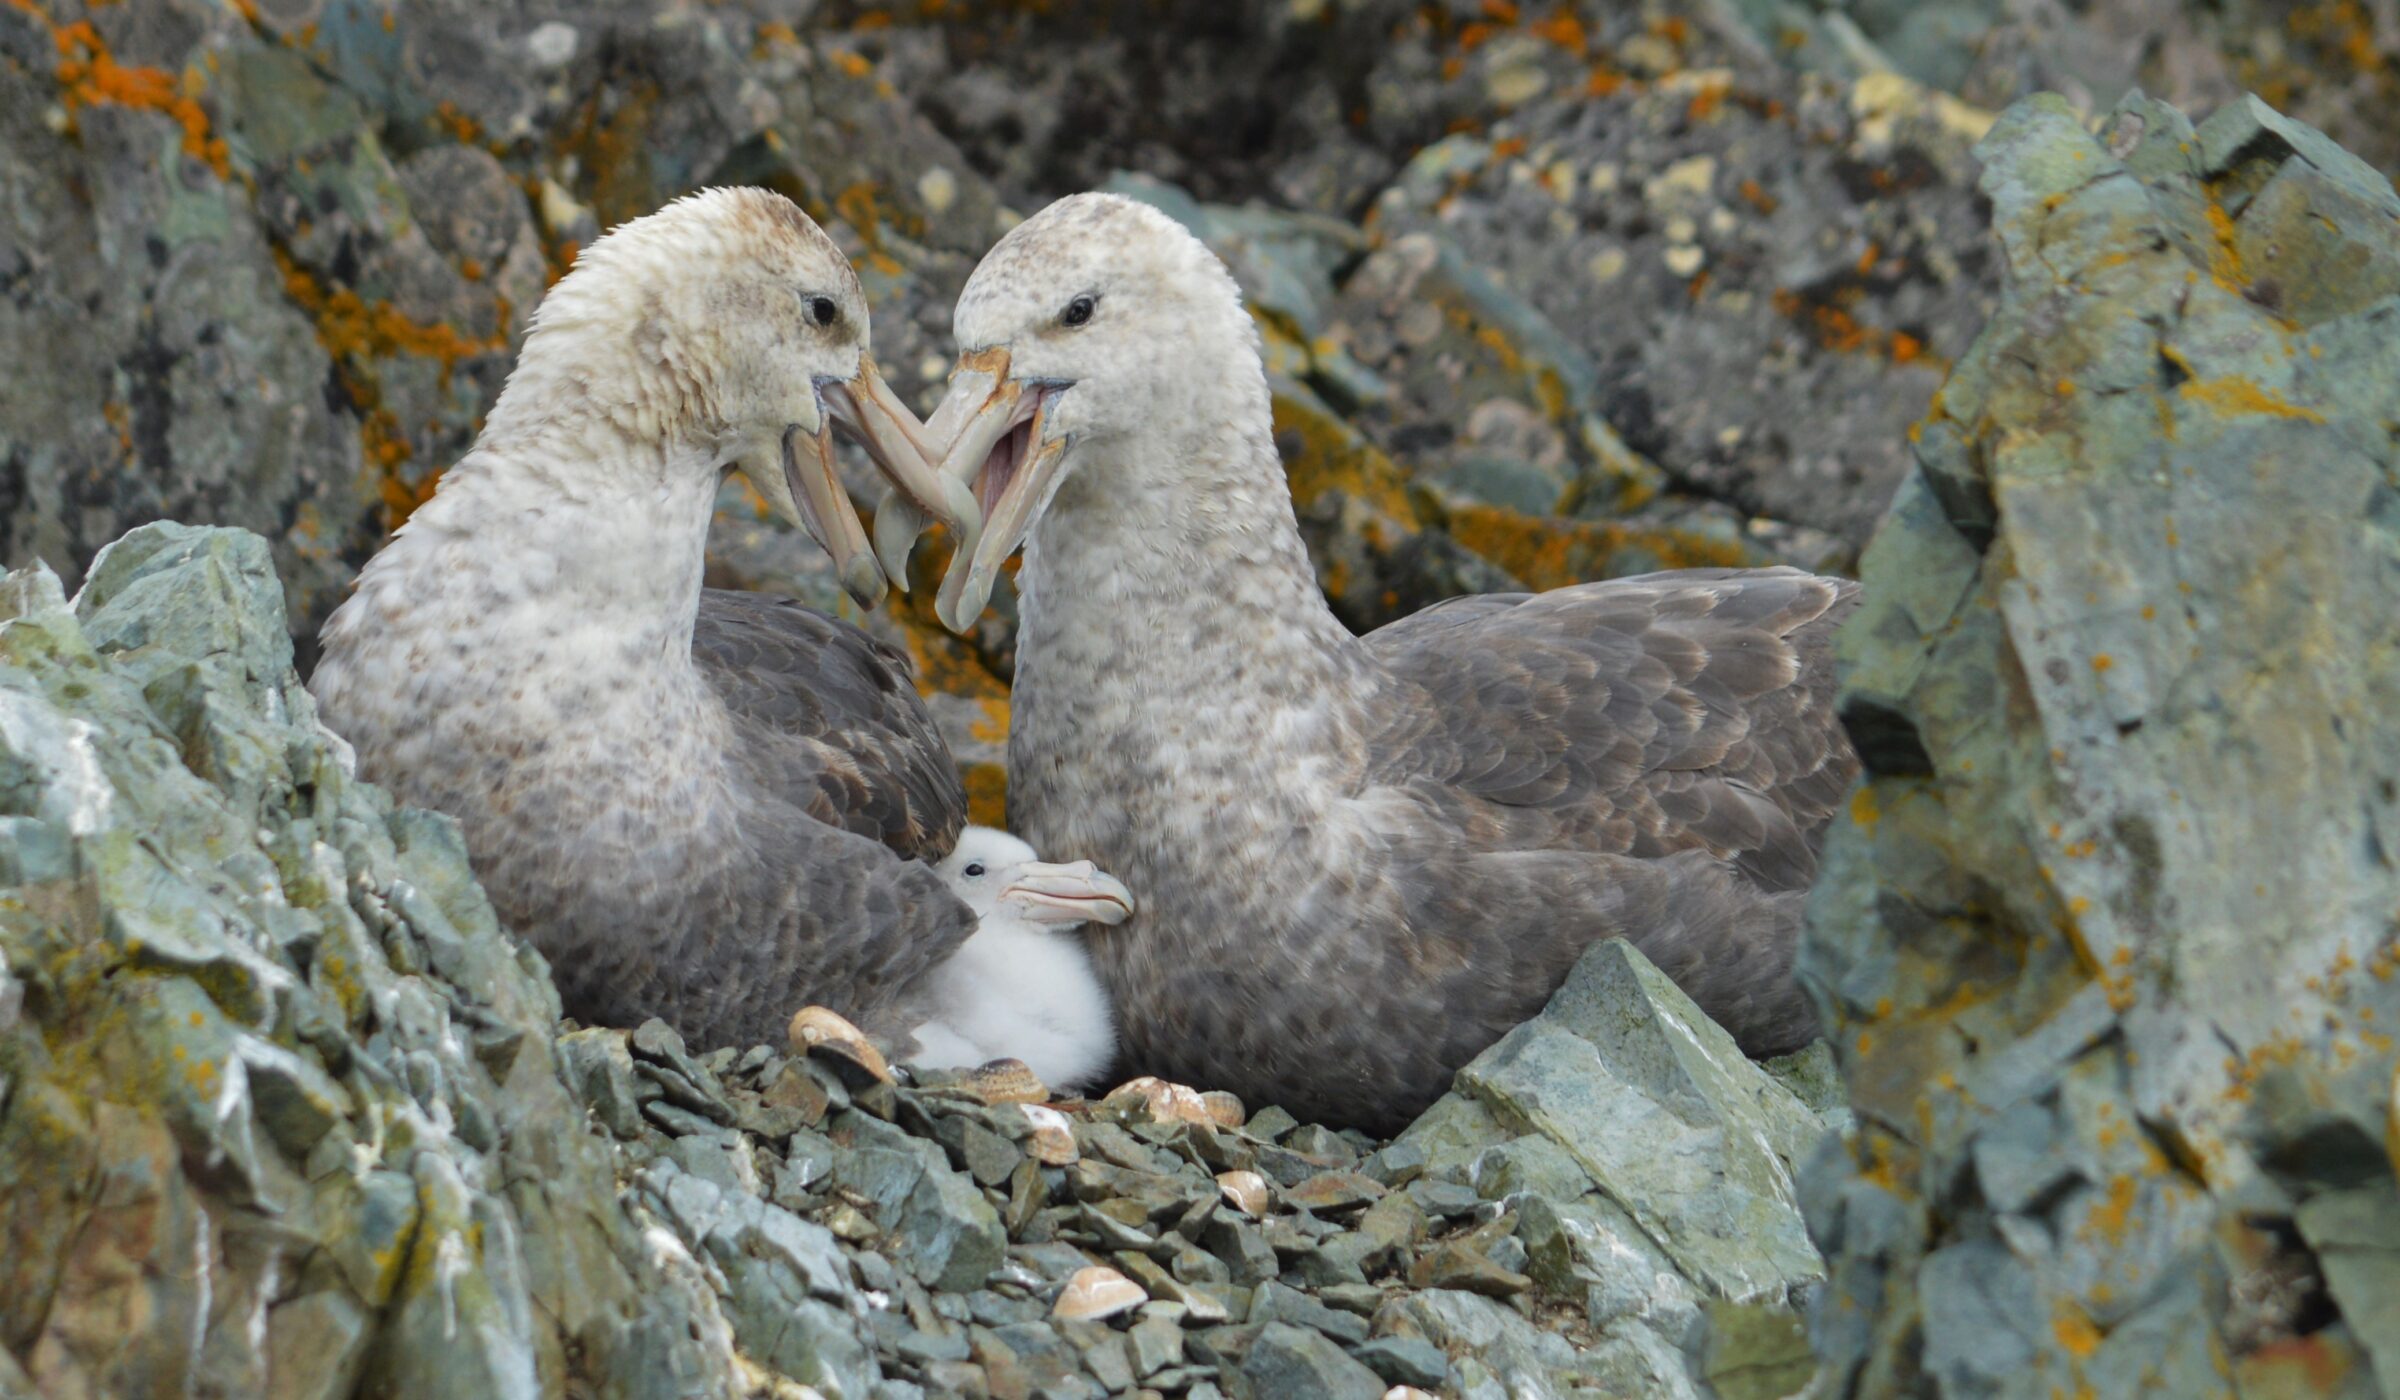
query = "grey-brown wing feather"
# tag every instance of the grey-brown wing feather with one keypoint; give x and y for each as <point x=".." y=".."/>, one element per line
<point x="1653" y="758"/>
<point x="1642" y="716"/>
<point x="834" y="720"/>
<point x="848" y="790"/>
<point x="802" y="912"/>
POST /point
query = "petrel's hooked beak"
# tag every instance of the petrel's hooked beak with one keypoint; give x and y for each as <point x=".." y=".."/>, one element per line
<point x="866" y="409"/>
<point x="1066" y="894"/>
<point x="999" y="444"/>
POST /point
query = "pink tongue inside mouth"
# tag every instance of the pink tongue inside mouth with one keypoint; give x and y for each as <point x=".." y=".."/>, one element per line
<point x="1000" y="468"/>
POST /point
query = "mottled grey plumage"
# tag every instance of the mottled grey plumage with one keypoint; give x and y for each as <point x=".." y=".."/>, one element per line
<point x="700" y="805"/>
<point x="1361" y="860"/>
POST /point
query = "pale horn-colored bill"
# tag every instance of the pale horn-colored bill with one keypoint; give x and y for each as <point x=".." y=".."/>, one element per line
<point x="1074" y="893"/>
<point x="898" y="520"/>
<point x="1019" y="471"/>
<point x="903" y="452"/>
<point x="823" y="505"/>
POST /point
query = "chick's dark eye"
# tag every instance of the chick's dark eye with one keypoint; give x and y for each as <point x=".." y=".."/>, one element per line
<point x="1078" y="311"/>
<point x="822" y="311"/>
<point x="974" y="870"/>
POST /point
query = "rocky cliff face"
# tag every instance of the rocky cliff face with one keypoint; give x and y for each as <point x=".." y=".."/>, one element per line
<point x="280" y="1105"/>
<point x="2108" y="943"/>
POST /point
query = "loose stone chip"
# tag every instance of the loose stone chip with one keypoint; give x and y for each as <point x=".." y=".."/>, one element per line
<point x="1224" y="1108"/>
<point x="1008" y="1081"/>
<point x="1053" y="1140"/>
<point x="1244" y="1191"/>
<point x="1159" y="1101"/>
<point x="1097" y="1292"/>
<point x="817" y="1031"/>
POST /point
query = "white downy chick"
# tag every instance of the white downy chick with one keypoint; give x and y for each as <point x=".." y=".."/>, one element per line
<point x="1022" y="986"/>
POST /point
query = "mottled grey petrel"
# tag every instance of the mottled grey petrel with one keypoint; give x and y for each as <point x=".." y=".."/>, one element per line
<point x="701" y="805"/>
<point x="1360" y="859"/>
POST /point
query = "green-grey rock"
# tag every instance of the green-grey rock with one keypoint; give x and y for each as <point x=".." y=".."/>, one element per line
<point x="1302" y="1364"/>
<point x="1404" y="1361"/>
<point x="2105" y="940"/>
<point x="275" y="1077"/>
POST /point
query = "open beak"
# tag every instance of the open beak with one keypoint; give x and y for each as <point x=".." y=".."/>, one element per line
<point x="865" y="409"/>
<point x="898" y="521"/>
<point x="998" y="445"/>
<point x="1066" y="894"/>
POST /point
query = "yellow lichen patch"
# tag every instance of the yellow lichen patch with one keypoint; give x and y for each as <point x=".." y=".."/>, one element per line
<point x="1321" y="455"/>
<point x="2225" y="258"/>
<point x="987" y="794"/>
<point x="1865" y="811"/>
<point x="944" y="664"/>
<point x="992" y="727"/>
<point x="2114" y="1215"/>
<point x="1547" y="553"/>
<point x="2344" y="27"/>
<point x="2234" y="397"/>
<point x="2074" y="1330"/>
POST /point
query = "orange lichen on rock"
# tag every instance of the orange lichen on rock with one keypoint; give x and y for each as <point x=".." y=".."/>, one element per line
<point x="2235" y="397"/>
<point x="992" y="728"/>
<point x="90" y="76"/>
<point x="1562" y="28"/>
<point x="2340" y="26"/>
<point x="2074" y="1330"/>
<point x="402" y="497"/>
<point x="1321" y="456"/>
<point x="1549" y="553"/>
<point x="354" y="332"/>
<point x="350" y="325"/>
<point x="461" y="127"/>
<point x="1837" y="330"/>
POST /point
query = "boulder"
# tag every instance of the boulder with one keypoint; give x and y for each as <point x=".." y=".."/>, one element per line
<point x="1648" y="1166"/>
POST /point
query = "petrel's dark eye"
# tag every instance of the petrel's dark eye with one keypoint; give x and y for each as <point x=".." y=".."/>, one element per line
<point x="1078" y="311"/>
<point x="974" y="870"/>
<point x="822" y="311"/>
